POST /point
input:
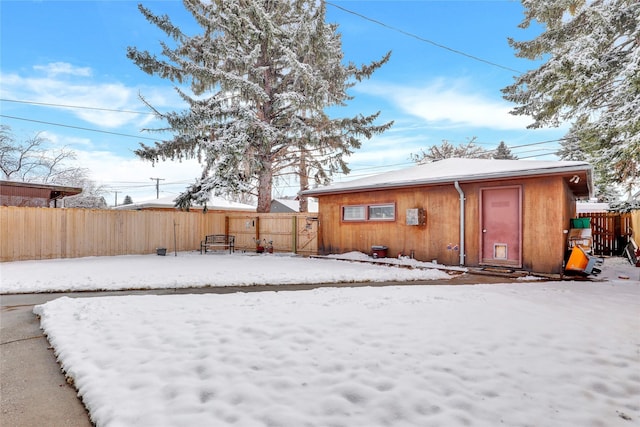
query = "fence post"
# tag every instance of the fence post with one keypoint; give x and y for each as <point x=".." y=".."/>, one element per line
<point x="257" y="228"/>
<point x="294" y="233"/>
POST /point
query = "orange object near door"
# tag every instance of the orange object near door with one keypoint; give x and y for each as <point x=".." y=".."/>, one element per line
<point x="578" y="260"/>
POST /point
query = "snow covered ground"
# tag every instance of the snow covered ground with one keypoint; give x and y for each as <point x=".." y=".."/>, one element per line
<point x="525" y="354"/>
<point x="190" y="269"/>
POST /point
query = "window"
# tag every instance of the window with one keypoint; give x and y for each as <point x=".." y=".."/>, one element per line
<point x="354" y="213"/>
<point x="382" y="212"/>
<point x="385" y="212"/>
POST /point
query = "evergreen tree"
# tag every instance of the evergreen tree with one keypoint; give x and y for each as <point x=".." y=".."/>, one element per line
<point x="261" y="74"/>
<point x="503" y="152"/>
<point x="127" y="200"/>
<point x="590" y="78"/>
<point x="570" y="150"/>
<point x="447" y="150"/>
<point x="605" y="181"/>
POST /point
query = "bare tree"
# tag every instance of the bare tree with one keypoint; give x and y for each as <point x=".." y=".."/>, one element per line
<point x="34" y="161"/>
<point x="447" y="150"/>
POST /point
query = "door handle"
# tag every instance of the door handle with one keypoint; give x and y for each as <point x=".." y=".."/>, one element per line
<point x="484" y="230"/>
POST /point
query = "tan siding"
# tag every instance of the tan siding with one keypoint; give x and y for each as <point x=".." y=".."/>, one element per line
<point x="428" y="241"/>
<point x="544" y="224"/>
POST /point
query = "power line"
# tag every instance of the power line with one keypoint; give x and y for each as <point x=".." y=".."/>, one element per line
<point x="542" y="142"/>
<point x="422" y="39"/>
<point x="77" y="127"/>
<point x="113" y="185"/>
<point x="536" y="150"/>
<point x="76" y="106"/>
<point x="155" y="139"/>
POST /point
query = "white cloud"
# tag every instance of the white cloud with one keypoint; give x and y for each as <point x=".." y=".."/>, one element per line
<point x="450" y="104"/>
<point x="55" y="68"/>
<point x="73" y="142"/>
<point x="57" y="88"/>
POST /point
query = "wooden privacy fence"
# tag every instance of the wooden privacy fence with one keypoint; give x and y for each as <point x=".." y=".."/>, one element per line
<point x="611" y="231"/>
<point x="46" y="233"/>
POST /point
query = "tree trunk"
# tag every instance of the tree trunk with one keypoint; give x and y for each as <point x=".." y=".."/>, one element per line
<point x="265" y="178"/>
<point x="304" y="181"/>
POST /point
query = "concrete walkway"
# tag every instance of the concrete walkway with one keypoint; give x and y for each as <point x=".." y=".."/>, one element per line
<point x="33" y="390"/>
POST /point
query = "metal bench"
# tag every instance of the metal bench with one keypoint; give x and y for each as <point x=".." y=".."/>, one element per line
<point x="218" y="241"/>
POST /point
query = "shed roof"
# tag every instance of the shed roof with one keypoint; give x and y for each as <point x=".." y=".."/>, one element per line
<point x="589" y="207"/>
<point x="59" y="190"/>
<point x="21" y="192"/>
<point x="465" y="170"/>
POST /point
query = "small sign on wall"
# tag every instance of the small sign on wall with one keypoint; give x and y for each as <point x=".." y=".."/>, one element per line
<point x="415" y="216"/>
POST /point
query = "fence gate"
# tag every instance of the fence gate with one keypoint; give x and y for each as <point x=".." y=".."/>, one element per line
<point x="295" y="233"/>
<point x="306" y="235"/>
<point x="611" y="232"/>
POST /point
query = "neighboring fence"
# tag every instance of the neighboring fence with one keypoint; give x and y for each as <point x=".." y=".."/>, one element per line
<point x="45" y="233"/>
<point x="610" y="231"/>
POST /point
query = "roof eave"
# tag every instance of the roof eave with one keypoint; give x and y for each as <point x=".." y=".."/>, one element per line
<point x="451" y="179"/>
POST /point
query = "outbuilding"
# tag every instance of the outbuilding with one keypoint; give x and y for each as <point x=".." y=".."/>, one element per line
<point x="472" y="212"/>
<point x="168" y="204"/>
<point x="29" y="194"/>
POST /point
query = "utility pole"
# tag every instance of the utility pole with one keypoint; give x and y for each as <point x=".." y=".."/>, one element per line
<point x="157" y="180"/>
<point x="116" y="198"/>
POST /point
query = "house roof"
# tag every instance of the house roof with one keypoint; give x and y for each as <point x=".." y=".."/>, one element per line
<point x="56" y="191"/>
<point x="465" y="170"/>
<point x="294" y="205"/>
<point x="215" y="203"/>
<point x="16" y="193"/>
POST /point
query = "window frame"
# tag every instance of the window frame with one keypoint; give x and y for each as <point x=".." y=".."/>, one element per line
<point x="358" y="219"/>
<point x="367" y="212"/>
<point x="381" y="206"/>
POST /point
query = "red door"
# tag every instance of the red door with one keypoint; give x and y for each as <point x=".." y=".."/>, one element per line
<point x="500" y="225"/>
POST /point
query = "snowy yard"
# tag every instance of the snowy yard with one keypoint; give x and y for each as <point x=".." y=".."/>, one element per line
<point x="191" y="269"/>
<point x="524" y="354"/>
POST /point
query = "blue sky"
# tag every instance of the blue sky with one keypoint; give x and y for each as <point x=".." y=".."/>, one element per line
<point x="74" y="53"/>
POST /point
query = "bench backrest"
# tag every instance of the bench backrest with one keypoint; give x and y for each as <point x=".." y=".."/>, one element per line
<point x="218" y="238"/>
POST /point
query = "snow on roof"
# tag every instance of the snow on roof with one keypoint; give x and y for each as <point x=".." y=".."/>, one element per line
<point x="456" y="169"/>
<point x="215" y="203"/>
<point x="585" y="207"/>
<point x="294" y="205"/>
